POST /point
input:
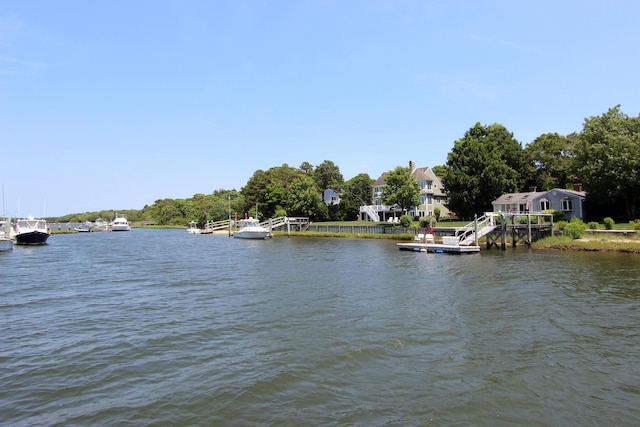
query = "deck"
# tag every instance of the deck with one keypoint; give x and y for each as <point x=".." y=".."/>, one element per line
<point x="438" y="248"/>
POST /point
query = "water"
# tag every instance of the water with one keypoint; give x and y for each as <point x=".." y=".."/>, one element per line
<point x="157" y="327"/>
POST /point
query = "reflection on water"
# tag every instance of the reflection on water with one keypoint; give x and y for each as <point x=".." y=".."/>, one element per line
<point x="160" y="327"/>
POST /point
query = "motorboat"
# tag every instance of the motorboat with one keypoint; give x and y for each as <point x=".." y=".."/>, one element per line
<point x="85" y="227"/>
<point x="6" y="242"/>
<point x="31" y="231"/>
<point x="100" y="225"/>
<point x="120" y="223"/>
<point x="193" y="228"/>
<point x="250" y="228"/>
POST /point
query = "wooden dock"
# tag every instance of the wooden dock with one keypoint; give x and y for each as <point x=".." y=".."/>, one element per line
<point x="438" y="248"/>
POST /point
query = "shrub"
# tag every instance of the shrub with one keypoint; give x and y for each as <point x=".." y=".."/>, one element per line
<point x="561" y="225"/>
<point x="558" y="216"/>
<point x="575" y="228"/>
<point x="426" y="221"/>
<point x="635" y="224"/>
<point x="405" y="220"/>
<point x="608" y="223"/>
<point x="593" y="225"/>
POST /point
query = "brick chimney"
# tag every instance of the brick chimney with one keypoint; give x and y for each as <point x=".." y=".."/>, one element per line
<point x="412" y="165"/>
<point x="577" y="186"/>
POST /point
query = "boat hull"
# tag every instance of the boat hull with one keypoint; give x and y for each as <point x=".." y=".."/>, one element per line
<point x="31" y="238"/>
<point x="5" y="244"/>
<point x="252" y="234"/>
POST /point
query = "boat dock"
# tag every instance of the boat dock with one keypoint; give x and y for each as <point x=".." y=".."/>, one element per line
<point x="438" y="248"/>
<point x="493" y="226"/>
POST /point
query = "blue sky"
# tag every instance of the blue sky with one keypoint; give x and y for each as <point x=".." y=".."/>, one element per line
<point x="113" y="105"/>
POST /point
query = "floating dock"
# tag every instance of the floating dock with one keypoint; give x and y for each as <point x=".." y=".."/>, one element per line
<point x="438" y="248"/>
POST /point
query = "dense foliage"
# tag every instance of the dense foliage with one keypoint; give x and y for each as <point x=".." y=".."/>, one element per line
<point x="484" y="164"/>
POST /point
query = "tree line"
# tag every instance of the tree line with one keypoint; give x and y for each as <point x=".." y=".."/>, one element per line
<point x="482" y="165"/>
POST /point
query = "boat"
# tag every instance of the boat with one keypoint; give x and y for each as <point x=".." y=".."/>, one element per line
<point x="85" y="227"/>
<point x="31" y="231"/>
<point x="6" y="242"/>
<point x="100" y="225"/>
<point x="120" y="223"/>
<point x="250" y="228"/>
<point x="193" y="228"/>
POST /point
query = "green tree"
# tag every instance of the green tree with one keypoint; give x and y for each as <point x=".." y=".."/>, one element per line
<point x="327" y="175"/>
<point x="269" y="189"/>
<point x="551" y="157"/>
<point x="607" y="159"/>
<point x="358" y="191"/>
<point x="303" y="199"/>
<point x="401" y="189"/>
<point x="487" y="162"/>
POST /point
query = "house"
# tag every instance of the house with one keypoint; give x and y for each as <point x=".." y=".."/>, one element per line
<point x="569" y="202"/>
<point x="432" y="195"/>
<point x="330" y="197"/>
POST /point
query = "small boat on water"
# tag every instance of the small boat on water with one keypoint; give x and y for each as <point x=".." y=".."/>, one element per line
<point x="193" y="228"/>
<point x="31" y="231"/>
<point x="120" y="223"/>
<point x="84" y="228"/>
<point x="250" y="228"/>
<point x="6" y="242"/>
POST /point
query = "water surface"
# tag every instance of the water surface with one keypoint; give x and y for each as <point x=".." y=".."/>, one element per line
<point x="158" y="327"/>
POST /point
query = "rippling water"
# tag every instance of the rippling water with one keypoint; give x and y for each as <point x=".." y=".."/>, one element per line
<point x="157" y="327"/>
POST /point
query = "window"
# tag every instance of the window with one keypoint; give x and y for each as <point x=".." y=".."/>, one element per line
<point x="544" y="205"/>
<point x="567" y="204"/>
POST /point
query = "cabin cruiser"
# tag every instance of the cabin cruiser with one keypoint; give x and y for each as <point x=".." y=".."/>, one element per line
<point x="120" y="223"/>
<point x="31" y="231"/>
<point x="250" y="228"/>
<point x="193" y="228"/>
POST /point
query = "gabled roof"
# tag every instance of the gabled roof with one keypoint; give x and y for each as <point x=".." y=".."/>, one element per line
<point x="509" y="198"/>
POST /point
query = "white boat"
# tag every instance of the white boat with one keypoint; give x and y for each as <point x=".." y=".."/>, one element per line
<point x="6" y="242"/>
<point x="31" y="231"/>
<point x="251" y="229"/>
<point x="100" y="225"/>
<point x="120" y="223"/>
<point x="85" y="227"/>
<point x="193" y="228"/>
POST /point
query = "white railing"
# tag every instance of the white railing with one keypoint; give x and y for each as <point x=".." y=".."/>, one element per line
<point x="370" y="211"/>
<point x="471" y="232"/>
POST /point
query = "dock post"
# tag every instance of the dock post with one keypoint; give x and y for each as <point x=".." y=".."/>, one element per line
<point x="504" y="232"/>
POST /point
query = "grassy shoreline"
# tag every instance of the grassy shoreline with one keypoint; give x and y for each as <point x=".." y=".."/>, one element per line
<point x="590" y="244"/>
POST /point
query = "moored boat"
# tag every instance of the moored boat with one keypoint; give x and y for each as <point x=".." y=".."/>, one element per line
<point x="31" y="231"/>
<point x="120" y="223"/>
<point x="193" y="228"/>
<point x="250" y="228"/>
<point x="6" y="242"/>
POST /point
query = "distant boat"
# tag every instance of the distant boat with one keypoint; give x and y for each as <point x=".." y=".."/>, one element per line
<point x="31" y="231"/>
<point x="251" y="229"/>
<point x="193" y="228"/>
<point x="6" y="242"/>
<point x="100" y="225"/>
<point x="120" y="223"/>
<point x="85" y="227"/>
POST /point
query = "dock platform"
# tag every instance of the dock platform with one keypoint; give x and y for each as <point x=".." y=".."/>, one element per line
<point x="438" y="248"/>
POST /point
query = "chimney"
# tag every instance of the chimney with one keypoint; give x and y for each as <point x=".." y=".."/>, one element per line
<point x="577" y="186"/>
<point x="412" y="165"/>
<point x="533" y="189"/>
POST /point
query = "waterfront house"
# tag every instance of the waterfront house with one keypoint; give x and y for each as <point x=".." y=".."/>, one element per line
<point x="432" y="196"/>
<point x="569" y="202"/>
